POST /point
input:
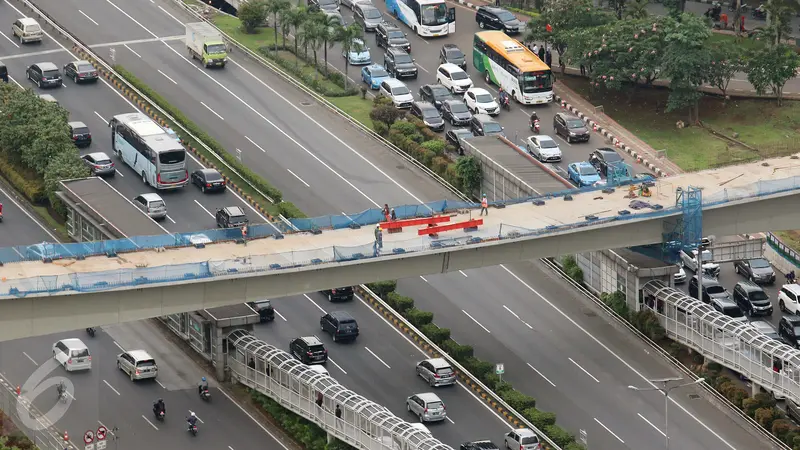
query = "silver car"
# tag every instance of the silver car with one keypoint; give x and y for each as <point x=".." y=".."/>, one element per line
<point x="427" y="406"/>
<point x="544" y="148"/>
<point x="100" y="164"/>
<point x="437" y="372"/>
<point x="138" y="364"/>
<point x="522" y="439"/>
<point x="152" y="205"/>
<point x="368" y="16"/>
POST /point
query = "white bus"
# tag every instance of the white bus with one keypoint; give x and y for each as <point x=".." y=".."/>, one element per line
<point x="149" y="150"/>
<point x="425" y="17"/>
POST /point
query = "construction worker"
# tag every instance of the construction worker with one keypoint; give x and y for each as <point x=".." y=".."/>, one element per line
<point x="244" y="234"/>
<point x="378" y="240"/>
<point x="484" y="205"/>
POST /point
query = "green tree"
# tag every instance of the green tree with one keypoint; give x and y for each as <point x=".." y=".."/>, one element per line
<point x="468" y="170"/>
<point x="350" y="39"/>
<point x="726" y="61"/>
<point x="329" y="30"/>
<point x="564" y="17"/>
<point x="252" y="15"/>
<point x="293" y="19"/>
<point x="312" y="37"/>
<point x="276" y="8"/>
<point x="780" y="13"/>
<point x="637" y="9"/>
<point x="619" y="7"/>
<point x="770" y="68"/>
<point x="686" y="63"/>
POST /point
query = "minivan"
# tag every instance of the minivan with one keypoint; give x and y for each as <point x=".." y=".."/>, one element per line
<point x="340" y="324"/>
<point x="264" y="309"/>
<point x="343" y="294"/>
<point x="138" y="364"/>
<point x="427" y="406"/>
<point x="73" y="354"/>
<point x="711" y="289"/>
<point x="437" y="372"/>
<point x="726" y="306"/>
<point x="151" y="204"/>
<point x="27" y="30"/>
<point x="309" y="350"/>
<point x="571" y="127"/>
<point x="752" y="299"/>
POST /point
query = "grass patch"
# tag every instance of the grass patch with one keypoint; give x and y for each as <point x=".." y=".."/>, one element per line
<point x="232" y="27"/>
<point x="790" y="238"/>
<point x="745" y="43"/>
<point x="760" y="124"/>
<point x="354" y="105"/>
<point x="52" y="224"/>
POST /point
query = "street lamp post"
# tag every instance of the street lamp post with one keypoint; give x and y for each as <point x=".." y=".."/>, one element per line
<point x="665" y="389"/>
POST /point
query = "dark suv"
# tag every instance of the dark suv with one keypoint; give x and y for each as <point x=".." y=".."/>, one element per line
<point x="340" y="324"/>
<point x="231" y="217"/>
<point x="389" y="36"/>
<point x="428" y="114"/>
<point x="342" y="294"/>
<point x="399" y="64"/>
<point x="494" y="18"/>
<point x="264" y="309"/>
<point x="604" y="157"/>
<point x="44" y="75"/>
<point x="571" y="127"/>
<point x="757" y="270"/>
<point x="711" y="289"/>
<point x="450" y="53"/>
<point x="789" y="330"/>
<point x="309" y="350"/>
<point x="485" y="125"/>
<point x="752" y="299"/>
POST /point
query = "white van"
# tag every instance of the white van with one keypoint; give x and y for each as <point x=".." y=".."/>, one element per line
<point x="73" y="354"/>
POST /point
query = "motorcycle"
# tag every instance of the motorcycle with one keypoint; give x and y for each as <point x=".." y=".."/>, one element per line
<point x="1" y="212"/>
<point x="760" y="13"/>
<point x="91" y="331"/>
<point x="159" y="414"/>
<point x="205" y="395"/>
<point x="506" y="103"/>
<point x="535" y="127"/>
<point x="193" y="429"/>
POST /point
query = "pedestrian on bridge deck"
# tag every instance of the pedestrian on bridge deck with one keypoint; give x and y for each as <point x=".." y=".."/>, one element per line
<point x="484" y="205"/>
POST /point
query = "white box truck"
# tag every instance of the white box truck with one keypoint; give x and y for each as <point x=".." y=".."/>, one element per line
<point x="205" y="43"/>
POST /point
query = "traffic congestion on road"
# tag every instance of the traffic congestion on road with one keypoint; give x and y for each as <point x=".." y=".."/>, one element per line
<point x="326" y="168"/>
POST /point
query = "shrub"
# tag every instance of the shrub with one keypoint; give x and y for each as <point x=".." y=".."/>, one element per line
<point x="479" y="368"/>
<point x="417" y="317"/>
<point x="439" y="165"/>
<point x="385" y="114"/>
<point x="737" y="396"/>
<point x="399" y="303"/>
<point x="290" y="211"/>
<point x="29" y="185"/>
<point x="436" y="334"/>
<point x="434" y="146"/>
<point x="617" y="302"/>
<point x="468" y="172"/>
<point x="380" y="127"/>
<point x="457" y="351"/>
<point x="383" y="288"/>
<point x="252" y="15"/>
<point x="517" y="400"/>
<point x="645" y="320"/>
<point x="560" y="436"/>
<point x="404" y="127"/>
<point x="781" y="428"/>
<point x="765" y="417"/>
<point x="540" y="419"/>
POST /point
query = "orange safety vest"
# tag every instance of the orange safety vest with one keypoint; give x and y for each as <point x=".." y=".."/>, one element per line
<point x="484" y="203"/>
<point x="244" y="231"/>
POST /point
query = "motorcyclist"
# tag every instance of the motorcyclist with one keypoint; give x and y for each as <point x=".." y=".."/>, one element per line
<point x="534" y="120"/>
<point x="203" y="386"/>
<point x="503" y="97"/>
<point x="61" y="389"/>
<point x="191" y="420"/>
<point x="159" y="406"/>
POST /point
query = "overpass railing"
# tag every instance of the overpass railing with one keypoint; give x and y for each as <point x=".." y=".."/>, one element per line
<point x="732" y="343"/>
<point x="361" y="423"/>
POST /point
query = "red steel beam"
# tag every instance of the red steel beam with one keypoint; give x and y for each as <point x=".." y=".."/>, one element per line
<point x="413" y="222"/>
<point x="451" y="226"/>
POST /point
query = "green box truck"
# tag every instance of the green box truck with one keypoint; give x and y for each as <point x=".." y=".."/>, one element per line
<point x="205" y="43"/>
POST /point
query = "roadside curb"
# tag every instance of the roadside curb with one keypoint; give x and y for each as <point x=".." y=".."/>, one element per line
<point x="147" y="109"/>
<point x="608" y="135"/>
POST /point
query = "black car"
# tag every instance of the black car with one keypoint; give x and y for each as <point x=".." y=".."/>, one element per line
<point x="450" y="53"/>
<point x="264" y="309"/>
<point x="3" y="72"/>
<point x="727" y="307"/>
<point x="80" y="134"/>
<point x="231" y="217"/>
<point x="325" y="5"/>
<point x="340" y="324"/>
<point x="399" y="64"/>
<point x="208" y="180"/>
<point x="479" y="445"/>
<point x="309" y="350"/>
<point x="485" y="125"/>
<point x="390" y="36"/>
<point x="789" y="330"/>
<point x="44" y="75"/>
<point x="603" y="157"/>
<point x="342" y="294"/>
<point x="80" y="71"/>
<point x="571" y="127"/>
<point x="456" y="112"/>
<point x="757" y="270"/>
<point x="494" y="18"/>
<point x="428" y="114"/>
<point x="752" y="299"/>
<point x="434" y="93"/>
<point x="711" y="289"/>
<point x="454" y="137"/>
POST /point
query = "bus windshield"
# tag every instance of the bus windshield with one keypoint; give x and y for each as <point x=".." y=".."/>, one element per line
<point x="533" y="82"/>
<point x="172" y="157"/>
<point x="432" y="15"/>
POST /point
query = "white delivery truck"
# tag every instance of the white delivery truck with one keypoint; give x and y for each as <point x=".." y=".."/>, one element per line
<point x="205" y="43"/>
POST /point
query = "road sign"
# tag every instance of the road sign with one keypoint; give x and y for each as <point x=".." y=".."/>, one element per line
<point x="89" y="447"/>
<point x="101" y="433"/>
<point x="101" y="445"/>
<point x="499" y="369"/>
<point x="583" y="437"/>
<point x="88" y="437"/>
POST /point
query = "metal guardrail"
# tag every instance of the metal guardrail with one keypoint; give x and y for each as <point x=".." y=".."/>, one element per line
<point x="788" y="252"/>
<point x="621" y="322"/>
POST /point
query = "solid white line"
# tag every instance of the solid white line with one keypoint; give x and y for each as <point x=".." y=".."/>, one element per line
<point x="479" y="324"/>
<point x="101" y="117"/>
<point x="107" y="429"/>
<point x="12" y="79"/>
<point x="208" y="108"/>
<point x="132" y="51"/>
<point x="259" y="424"/>
<point x="174" y="82"/>
<point x="119" y="346"/>
<point x="204" y="208"/>
<point x="315" y="304"/>
<point x="518" y="317"/>
<point x="139" y="41"/>
<point x="148" y="421"/>
<point x="607" y="429"/>
<point x="119" y="173"/>
<point x="87" y="16"/>
<point x="176" y="20"/>
<point x="422" y="68"/>
<point x="376" y="357"/>
<point x="462" y="273"/>
<point x="540" y="374"/>
<point x="111" y="387"/>
<point x="170" y="219"/>
<point x="160" y="384"/>
<point x="29" y="357"/>
<point x="257" y="146"/>
<point x="423" y="278"/>
<point x="616" y="356"/>
<point x="281" y="316"/>
<point x="651" y="424"/>
<point x="300" y="179"/>
<point x="584" y="370"/>
<point x="337" y="366"/>
<point x="450" y="420"/>
<point x="9" y="40"/>
<point x="231" y="448"/>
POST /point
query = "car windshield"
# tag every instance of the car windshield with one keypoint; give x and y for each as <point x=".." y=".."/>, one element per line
<point x="347" y="321"/>
<point x="732" y="311"/>
<point x="434" y="405"/>
<point x="484" y="98"/>
<point x="401" y="58"/>
<point x="102" y="162"/>
<point x="82" y="353"/>
<point x="587" y="170"/>
<point x="444" y="371"/>
<point x="33" y="28"/>
<point x="316" y="348"/>
<point x="433" y="14"/>
<point x="759" y="296"/>
<point x="528" y="440"/>
<point x="759" y="263"/>
<point x="711" y="290"/>
<point x="611" y="157"/>
<point x="538" y="81"/>
<point x="172" y="157"/>
<point x="372" y="13"/>
<point x="85" y="68"/>
<point x="400" y="90"/>
<point x="458" y="108"/>
<point x="80" y="130"/>
<point x="459" y="75"/>
<point x="396" y="34"/>
<point x="50" y="73"/>
<point x="156" y="204"/>
<point x="430" y="113"/>
<point x="454" y="53"/>
<point x="146" y="363"/>
<point x="213" y="176"/>
<point x="505" y="16"/>
<point x="548" y="143"/>
<point x="215" y="49"/>
<point x="492" y="127"/>
<point x="575" y="123"/>
<point x="377" y="73"/>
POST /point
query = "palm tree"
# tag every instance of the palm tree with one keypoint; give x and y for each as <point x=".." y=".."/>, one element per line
<point x="637" y="9"/>
<point x="308" y="36"/>
<point x="347" y="37"/>
<point x="329" y="29"/>
<point x="276" y="8"/>
<point x="293" y="18"/>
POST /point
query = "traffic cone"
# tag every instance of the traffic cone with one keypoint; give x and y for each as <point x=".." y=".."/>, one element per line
<point x="66" y="436"/>
<point x="19" y="389"/>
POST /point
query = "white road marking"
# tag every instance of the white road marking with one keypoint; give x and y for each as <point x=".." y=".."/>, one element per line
<point x="175" y="82"/>
<point x="107" y="428"/>
<point x="616" y="356"/>
<point x="337" y="366"/>
<point x="29" y="357"/>
<point x="541" y="375"/>
<point x="111" y="387"/>
<point x="87" y="16"/>
<point x="139" y="41"/>
<point x="176" y="20"/>
<point x="101" y="117"/>
<point x="450" y="420"/>
<point x="377" y="357"/>
<point x="281" y="316"/>
<point x="462" y="273"/>
<point x="12" y="42"/>
<point x="12" y="79"/>
<point x="170" y="219"/>
<point x="584" y="370"/>
<point x="298" y="178"/>
<point x="207" y="107"/>
<point x="119" y="346"/>
<point x="518" y="317"/>
<point x="28" y="54"/>
<point x="204" y="208"/>
<point x="423" y="278"/>
<point x="119" y="173"/>
<point x="607" y="429"/>
<point x="257" y="146"/>
<point x="421" y="68"/>
<point x="231" y="448"/>
<point x="315" y="304"/>
<point x="479" y="324"/>
<point x="132" y="50"/>
<point x="651" y="424"/>
<point x="148" y="421"/>
<point x="160" y="384"/>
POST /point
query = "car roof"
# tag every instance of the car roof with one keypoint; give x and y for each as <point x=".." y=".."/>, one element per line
<point x="460" y="131"/>
<point x="311" y="340"/>
<point x="319" y="369"/>
<point x="583" y="164"/>
<point x="568" y="115"/>
<point x="152" y="197"/>
<point x="99" y="155"/>
<point x="393" y="82"/>
<point x="234" y="210"/>
<point x="139" y="355"/>
<point x="439" y="363"/>
<point x="424" y="105"/>
<point x="794" y="288"/>
<point x="341" y="315"/>
<point x="792" y="319"/>
<point x="451" y="67"/>
<point x="477" y="90"/>
<point x="492" y="8"/>
<point x="73" y="343"/>
<point x="451" y="47"/>
<point x="485" y="444"/>
<point x="749" y="286"/>
<point x="77" y="124"/>
<point x="429" y="397"/>
<point x="605" y="150"/>
<point x="542" y="138"/>
<point x="375" y="66"/>
<point x="364" y="5"/>
<point x="80" y="61"/>
<point x="28" y="21"/>
<point x="483" y="118"/>
<point x="708" y="281"/>
<point x="454" y="101"/>
<point x="207" y="171"/>
<point x="47" y="66"/>
<point x="396" y="50"/>
<point x="525" y="432"/>
<point x="724" y="301"/>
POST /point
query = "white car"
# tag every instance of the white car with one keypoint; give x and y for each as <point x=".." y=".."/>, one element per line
<point x="454" y="78"/>
<point x="480" y="101"/>
<point x="398" y="92"/>
<point x="544" y="148"/>
<point x="689" y="261"/>
<point x="789" y="298"/>
<point x="352" y="3"/>
<point x="680" y="276"/>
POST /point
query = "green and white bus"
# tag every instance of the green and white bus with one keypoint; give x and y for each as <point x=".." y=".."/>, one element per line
<point x="509" y="64"/>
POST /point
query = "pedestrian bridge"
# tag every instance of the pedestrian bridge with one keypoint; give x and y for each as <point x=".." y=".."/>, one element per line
<point x="96" y="283"/>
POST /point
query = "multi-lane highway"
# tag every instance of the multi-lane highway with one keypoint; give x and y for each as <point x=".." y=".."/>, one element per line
<point x="333" y="169"/>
